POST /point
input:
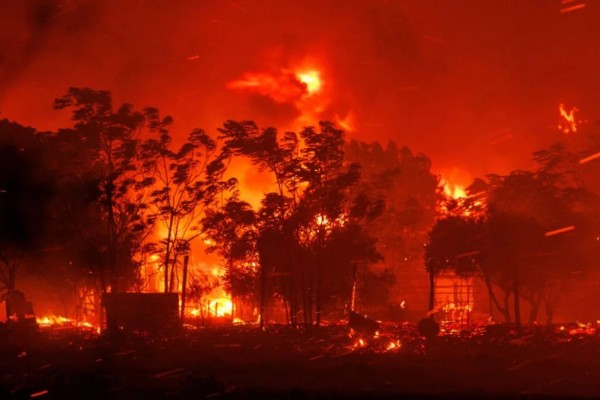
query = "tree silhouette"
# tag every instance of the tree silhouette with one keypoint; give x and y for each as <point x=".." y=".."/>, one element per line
<point x="298" y="224"/>
<point x="184" y="182"/>
<point x="108" y="141"/>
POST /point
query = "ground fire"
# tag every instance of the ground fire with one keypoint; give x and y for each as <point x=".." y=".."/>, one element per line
<point x="307" y="200"/>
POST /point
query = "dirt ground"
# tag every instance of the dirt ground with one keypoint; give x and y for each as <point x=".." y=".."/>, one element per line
<point x="242" y="362"/>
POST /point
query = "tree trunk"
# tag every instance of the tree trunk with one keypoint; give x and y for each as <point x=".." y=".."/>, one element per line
<point x="263" y="282"/>
<point x="431" y="293"/>
<point x="516" y="299"/>
<point x="186" y="259"/>
<point x="168" y="252"/>
<point x="318" y="295"/>
<point x="536" y="300"/>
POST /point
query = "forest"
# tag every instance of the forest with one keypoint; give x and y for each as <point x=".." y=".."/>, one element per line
<point x="94" y="204"/>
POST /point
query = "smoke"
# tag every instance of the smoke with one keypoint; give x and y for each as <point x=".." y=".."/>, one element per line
<point x="474" y="85"/>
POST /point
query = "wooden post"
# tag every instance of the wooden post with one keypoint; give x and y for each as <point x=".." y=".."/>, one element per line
<point x="183" y="285"/>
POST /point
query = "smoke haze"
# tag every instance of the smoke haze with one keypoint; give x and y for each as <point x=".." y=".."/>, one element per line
<point x="474" y="85"/>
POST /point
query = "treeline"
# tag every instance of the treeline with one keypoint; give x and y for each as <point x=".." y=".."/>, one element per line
<point x="531" y="235"/>
<point x="102" y="198"/>
<point x="118" y="190"/>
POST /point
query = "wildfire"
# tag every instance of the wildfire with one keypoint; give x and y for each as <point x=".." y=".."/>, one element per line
<point x="569" y="124"/>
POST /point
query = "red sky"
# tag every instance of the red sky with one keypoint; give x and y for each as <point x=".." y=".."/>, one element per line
<point x="474" y="84"/>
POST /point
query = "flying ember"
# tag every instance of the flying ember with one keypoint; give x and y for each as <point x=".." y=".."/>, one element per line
<point x="568" y="123"/>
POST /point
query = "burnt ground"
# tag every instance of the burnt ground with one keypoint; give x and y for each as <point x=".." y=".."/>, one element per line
<point x="281" y="363"/>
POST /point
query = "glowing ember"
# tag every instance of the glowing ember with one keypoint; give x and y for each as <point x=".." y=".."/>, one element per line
<point x="569" y="124"/>
<point x="53" y="320"/>
<point x="393" y="345"/>
<point x="572" y="8"/>
<point x="589" y="158"/>
<point x="559" y="231"/>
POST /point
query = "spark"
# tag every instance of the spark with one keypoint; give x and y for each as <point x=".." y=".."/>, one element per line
<point x="434" y="39"/>
<point x="169" y="372"/>
<point x="38" y="394"/>
<point x="589" y="158"/>
<point x="467" y="254"/>
<point x="192" y="58"/>
<point x="572" y="8"/>
<point x="559" y="231"/>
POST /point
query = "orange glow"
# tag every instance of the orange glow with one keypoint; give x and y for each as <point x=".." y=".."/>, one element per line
<point x="54" y="320"/>
<point x="455" y="191"/>
<point x="220" y="307"/>
<point x="311" y="79"/>
<point x="569" y="124"/>
<point x="394" y="345"/>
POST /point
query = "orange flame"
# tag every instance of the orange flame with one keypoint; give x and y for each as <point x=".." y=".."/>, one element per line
<point x="455" y="191"/>
<point x="311" y="79"/>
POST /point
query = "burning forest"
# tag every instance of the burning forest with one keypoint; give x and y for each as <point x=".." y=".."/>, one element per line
<point x="262" y="199"/>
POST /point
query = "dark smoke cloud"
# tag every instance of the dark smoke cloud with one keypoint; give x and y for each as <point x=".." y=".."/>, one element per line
<point x="475" y="85"/>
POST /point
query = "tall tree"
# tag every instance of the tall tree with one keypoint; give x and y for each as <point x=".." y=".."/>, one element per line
<point x="108" y="140"/>
<point x="296" y="224"/>
<point x="26" y="191"/>
<point x="185" y="182"/>
<point x="412" y="196"/>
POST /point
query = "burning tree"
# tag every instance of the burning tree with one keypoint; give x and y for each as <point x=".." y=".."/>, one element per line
<point x="529" y="237"/>
<point x="412" y="195"/>
<point x="233" y="229"/>
<point x="107" y="143"/>
<point x="184" y="183"/>
<point x="298" y="225"/>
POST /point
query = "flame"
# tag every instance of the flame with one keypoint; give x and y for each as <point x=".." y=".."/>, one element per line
<point x="311" y="79"/>
<point x="220" y="307"/>
<point x="570" y="124"/>
<point x="57" y="320"/>
<point x="455" y="191"/>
